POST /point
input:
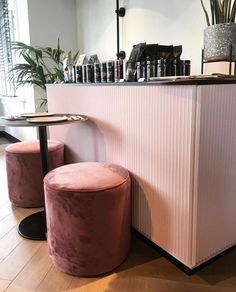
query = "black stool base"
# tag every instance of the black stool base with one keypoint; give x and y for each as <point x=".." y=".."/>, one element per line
<point x="34" y="226"/>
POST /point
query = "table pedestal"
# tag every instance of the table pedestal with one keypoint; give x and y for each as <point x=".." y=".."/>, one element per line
<point x="34" y="227"/>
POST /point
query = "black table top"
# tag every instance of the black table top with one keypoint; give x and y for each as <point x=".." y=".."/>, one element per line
<point x="72" y="118"/>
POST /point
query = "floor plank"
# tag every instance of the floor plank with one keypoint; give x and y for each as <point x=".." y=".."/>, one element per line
<point x="12" y="219"/>
<point x="7" y="223"/>
<point x="9" y="242"/>
<point x="55" y="280"/>
<point x="34" y="272"/>
<point x="18" y="258"/>
<point x="3" y="285"/>
<point x="5" y="209"/>
<point x="146" y="284"/>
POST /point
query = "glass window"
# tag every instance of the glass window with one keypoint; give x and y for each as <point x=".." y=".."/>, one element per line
<point x="7" y="87"/>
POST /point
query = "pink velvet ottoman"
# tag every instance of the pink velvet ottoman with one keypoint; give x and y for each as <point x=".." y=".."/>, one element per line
<point x="24" y="174"/>
<point x="88" y="217"/>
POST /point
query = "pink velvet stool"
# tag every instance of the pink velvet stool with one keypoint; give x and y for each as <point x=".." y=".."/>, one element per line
<point x="24" y="174"/>
<point x="88" y="217"/>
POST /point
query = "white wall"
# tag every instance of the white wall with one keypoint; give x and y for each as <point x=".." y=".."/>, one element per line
<point x="50" y="19"/>
<point x="96" y="22"/>
<point x="154" y="21"/>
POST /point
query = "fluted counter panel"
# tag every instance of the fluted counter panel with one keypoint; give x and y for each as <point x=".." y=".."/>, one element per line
<point x="162" y="135"/>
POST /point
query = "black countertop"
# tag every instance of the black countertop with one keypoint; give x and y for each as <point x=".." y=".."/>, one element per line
<point x="188" y="80"/>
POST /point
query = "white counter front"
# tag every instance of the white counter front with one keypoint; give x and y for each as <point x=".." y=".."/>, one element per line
<point x="178" y="142"/>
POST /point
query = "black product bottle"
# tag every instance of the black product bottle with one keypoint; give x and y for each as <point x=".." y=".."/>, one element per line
<point x="110" y="71"/>
<point x="176" y="67"/>
<point x="153" y="68"/>
<point x="79" y="78"/>
<point x="89" y="73"/>
<point x="84" y="74"/>
<point x="148" y="70"/>
<point x="143" y="70"/>
<point x="97" y="72"/>
<point x="118" y="70"/>
<point x="181" y="67"/>
<point x="138" y="68"/>
<point x="168" y="67"/>
<point x="104" y="72"/>
<point x="160" y="68"/>
<point x="186" y="67"/>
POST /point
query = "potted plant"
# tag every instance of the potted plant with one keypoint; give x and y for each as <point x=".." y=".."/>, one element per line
<point x="220" y="35"/>
<point x="39" y="66"/>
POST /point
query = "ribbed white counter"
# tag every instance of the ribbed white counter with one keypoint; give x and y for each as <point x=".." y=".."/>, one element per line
<point x="178" y="142"/>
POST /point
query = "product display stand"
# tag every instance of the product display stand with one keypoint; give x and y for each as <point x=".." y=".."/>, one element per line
<point x="229" y="59"/>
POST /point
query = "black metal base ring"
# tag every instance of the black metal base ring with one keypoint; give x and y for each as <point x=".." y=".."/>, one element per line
<point x="34" y="226"/>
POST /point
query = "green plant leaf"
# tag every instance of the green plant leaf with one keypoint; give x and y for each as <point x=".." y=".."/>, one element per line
<point x="48" y="49"/>
<point x="43" y="102"/>
<point x="225" y="9"/>
<point x="206" y="14"/>
<point x="59" y="73"/>
<point x="58" y="45"/>
<point x="54" y="56"/>
<point x="40" y="74"/>
<point x="228" y="11"/>
<point x="233" y="12"/>
<point x="39" y="65"/>
<point x="212" y="4"/>
<point x="29" y="60"/>
<point x="222" y="11"/>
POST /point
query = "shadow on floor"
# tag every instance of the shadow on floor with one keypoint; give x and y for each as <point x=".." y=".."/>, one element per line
<point x="221" y="270"/>
<point x="140" y="253"/>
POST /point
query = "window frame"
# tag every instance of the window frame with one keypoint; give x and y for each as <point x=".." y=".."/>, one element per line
<point x="7" y="84"/>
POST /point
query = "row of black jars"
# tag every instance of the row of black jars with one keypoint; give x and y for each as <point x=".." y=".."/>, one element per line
<point x="162" y="68"/>
<point x="110" y="71"/>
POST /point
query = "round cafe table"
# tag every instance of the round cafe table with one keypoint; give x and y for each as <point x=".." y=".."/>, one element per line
<point x="34" y="226"/>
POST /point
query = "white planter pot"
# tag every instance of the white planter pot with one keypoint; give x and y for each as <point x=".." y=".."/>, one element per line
<point x="217" y="41"/>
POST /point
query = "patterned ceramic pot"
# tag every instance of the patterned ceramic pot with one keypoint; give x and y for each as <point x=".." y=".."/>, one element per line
<point x="217" y="41"/>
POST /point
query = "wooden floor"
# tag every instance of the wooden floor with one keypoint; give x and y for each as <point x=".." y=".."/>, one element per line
<point x="26" y="266"/>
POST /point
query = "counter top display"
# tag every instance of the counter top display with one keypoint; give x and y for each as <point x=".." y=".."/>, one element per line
<point x="170" y="80"/>
<point x="178" y="142"/>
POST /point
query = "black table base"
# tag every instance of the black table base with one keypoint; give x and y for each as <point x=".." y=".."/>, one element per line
<point x="34" y="226"/>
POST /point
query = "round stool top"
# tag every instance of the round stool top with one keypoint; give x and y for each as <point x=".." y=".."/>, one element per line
<point x="86" y="177"/>
<point x="32" y="146"/>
